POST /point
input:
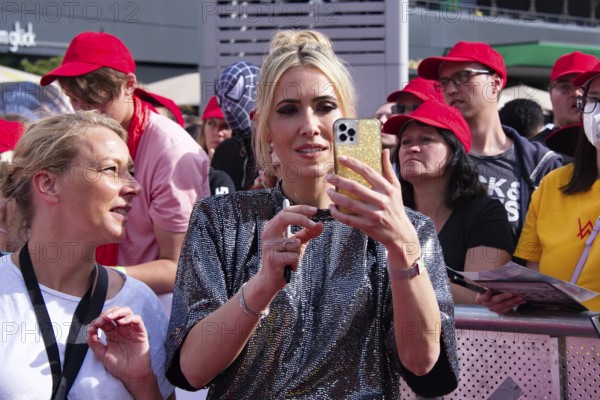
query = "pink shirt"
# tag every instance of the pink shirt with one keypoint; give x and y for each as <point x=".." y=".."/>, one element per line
<point x="173" y="172"/>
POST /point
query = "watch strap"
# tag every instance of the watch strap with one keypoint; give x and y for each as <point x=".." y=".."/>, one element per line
<point x="408" y="273"/>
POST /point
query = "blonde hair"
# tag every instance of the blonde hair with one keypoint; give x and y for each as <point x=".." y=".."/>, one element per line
<point x="289" y="49"/>
<point x="50" y="144"/>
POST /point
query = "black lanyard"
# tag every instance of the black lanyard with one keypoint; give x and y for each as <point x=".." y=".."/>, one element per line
<point x="89" y="308"/>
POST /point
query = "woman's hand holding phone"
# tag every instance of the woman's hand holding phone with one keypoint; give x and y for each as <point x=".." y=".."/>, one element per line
<point x="361" y="140"/>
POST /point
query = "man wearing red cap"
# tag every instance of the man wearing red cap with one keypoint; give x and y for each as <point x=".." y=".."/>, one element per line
<point x="98" y="73"/>
<point x="413" y="95"/>
<point x="405" y="101"/>
<point x="563" y="95"/>
<point x="471" y="77"/>
<point x="382" y="114"/>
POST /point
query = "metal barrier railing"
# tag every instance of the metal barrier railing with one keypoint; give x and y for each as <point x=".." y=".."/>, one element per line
<point x="535" y="322"/>
<point x="525" y="355"/>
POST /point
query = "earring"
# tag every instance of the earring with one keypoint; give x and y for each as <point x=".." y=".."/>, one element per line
<point x="270" y="148"/>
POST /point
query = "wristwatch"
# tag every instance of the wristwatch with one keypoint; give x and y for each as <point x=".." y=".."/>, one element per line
<point x="410" y="272"/>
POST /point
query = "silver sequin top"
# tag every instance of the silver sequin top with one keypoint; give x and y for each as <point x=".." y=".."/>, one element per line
<point x="329" y="334"/>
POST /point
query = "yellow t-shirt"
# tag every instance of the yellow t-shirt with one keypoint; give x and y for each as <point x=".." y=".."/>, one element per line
<point x="556" y="228"/>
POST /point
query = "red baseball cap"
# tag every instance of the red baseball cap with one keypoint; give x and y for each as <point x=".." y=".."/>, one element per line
<point x="10" y="133"/>
<point x="437" y="114"/>
<point x="572" y="63"/>
<point x="584" y="78"/>
<point x="563" y="140"/>
<point x="213" y="110"/>
<point x="465" y="52"/>
<point x="90" y="51"/>
<point x="419" y="87"/>
<point x="158" y="100"/>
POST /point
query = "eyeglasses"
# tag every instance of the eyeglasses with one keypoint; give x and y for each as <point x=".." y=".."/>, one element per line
<point x="587" y="105"/>
<point x="459" y="78"/>
<point x="565" y="87"/>
<point x="403" y="108"/>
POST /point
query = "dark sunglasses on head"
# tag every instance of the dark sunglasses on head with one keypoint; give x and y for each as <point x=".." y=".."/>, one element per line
<point x="403" y="109"/>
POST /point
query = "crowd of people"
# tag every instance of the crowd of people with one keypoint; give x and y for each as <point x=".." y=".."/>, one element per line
<point x="163" y="257"/>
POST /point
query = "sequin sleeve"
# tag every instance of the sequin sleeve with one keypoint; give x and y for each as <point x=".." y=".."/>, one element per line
<point x="443" y="378"/>
<point x="192" y="300"/>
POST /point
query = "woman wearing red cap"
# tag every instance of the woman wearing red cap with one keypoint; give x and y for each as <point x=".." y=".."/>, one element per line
<point x="214" y="128"/>
<point x="213" y="132"/>
<point x="439" y="180"/>
<point x="406" y="101"/>
<point x="97" y="72"/>
<point x="560" y="233"/>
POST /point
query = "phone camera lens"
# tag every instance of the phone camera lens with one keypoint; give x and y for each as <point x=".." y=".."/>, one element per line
<point x="343" y="127"/>
<point x="343" y="137"/>
<point x="351" y="132"/>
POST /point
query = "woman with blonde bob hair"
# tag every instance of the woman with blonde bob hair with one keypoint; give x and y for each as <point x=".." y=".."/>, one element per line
<point x="335" y="327"/>
<point x="72" y="181"/>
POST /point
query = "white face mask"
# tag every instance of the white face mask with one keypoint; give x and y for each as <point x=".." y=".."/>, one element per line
<point x="591" y="126"/>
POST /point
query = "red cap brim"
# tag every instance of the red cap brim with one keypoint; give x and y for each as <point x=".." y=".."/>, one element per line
<point x="395" y="123"/>
<point x="392" y="97"/>
<point x="429" y="68"/>
<point x="565" y="73"/>
<point x="582" y="79"/>
<point x="69" y="69"/>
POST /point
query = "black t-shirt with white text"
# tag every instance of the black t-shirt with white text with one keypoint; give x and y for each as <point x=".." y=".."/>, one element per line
<point x="501" y="174"/>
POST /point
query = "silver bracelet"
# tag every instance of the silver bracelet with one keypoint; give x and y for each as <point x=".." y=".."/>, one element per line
<point x="246" y="310"/>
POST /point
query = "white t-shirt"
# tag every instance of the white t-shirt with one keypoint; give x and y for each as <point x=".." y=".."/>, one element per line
<point x="24" y="368"/>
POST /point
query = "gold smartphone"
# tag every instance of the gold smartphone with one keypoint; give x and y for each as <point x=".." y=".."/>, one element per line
<point x="360" y="139"/>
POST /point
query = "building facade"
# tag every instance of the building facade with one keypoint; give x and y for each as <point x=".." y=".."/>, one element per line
<point x="176" y="37"/>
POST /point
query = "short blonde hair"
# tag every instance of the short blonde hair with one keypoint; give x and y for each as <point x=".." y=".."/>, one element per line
<point x="50" y="144"/>
<point x="289" y="49"/>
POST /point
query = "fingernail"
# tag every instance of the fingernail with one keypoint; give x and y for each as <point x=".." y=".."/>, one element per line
<point x="342" y="158"/>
